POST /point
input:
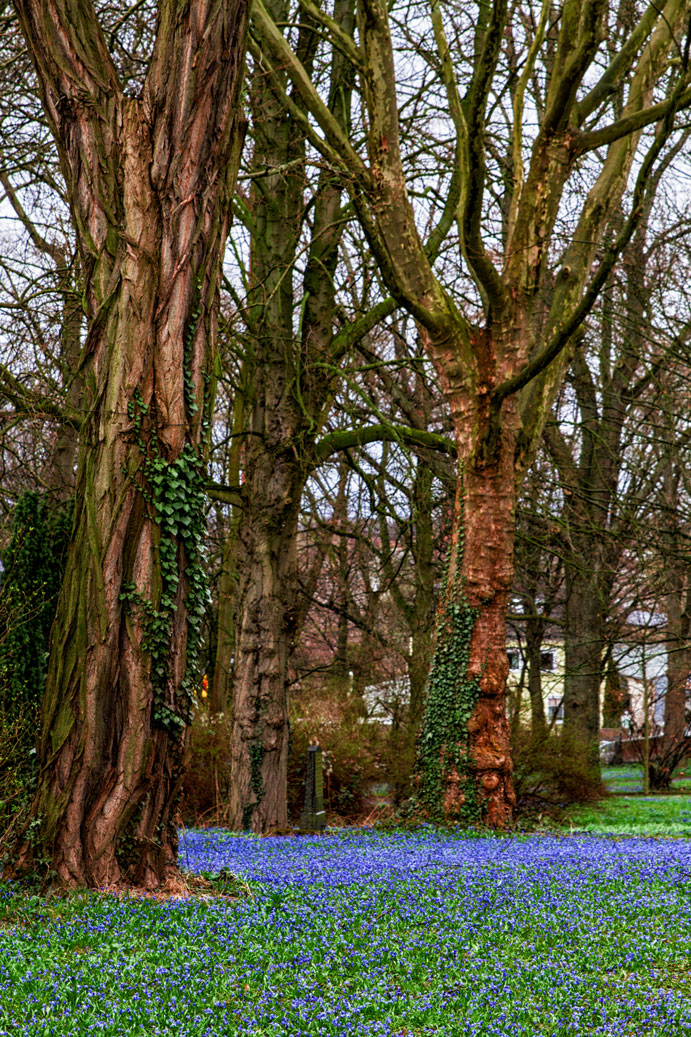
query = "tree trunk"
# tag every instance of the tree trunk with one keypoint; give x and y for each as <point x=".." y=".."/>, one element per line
<point x="423" y="606"/>
<point x="678" y="607"/>
<point x="678" y="658"/>
<point x="287" y="398"/>
<point x="526" y="334"/>
<point x="267" y="570"/>
<point x="226" y="620"/>
<point x="60" y="470"/>
<point x="538" y="723"/>
<point x="583" y="650"/>
<point x="464" y="758"/>
<point x="612" y="701"/>
<point x="152" y="217"/>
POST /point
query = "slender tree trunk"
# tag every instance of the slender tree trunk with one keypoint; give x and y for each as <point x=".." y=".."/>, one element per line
<point x="151" y="213"/>
<point x="418" y="673"/>
<point x="678" y="660"/>
<point x="583" y="652"/>
<point x="61" y="469"/>
<point x="423" y="607"/>
<point x="678" y="607"/>
<point x="226" y="620"/>
<point x="267" y="587"/>
<point x="538" y="723"/>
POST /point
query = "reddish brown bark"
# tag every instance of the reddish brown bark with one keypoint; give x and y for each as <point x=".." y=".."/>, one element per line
<point x="484" y="533"/>
<point x="149" y="183"/>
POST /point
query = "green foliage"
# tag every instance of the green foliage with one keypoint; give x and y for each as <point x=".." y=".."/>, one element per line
<point x="34" y="563"/>
<point x="18" y="769"/>
<point x="443" y="744"/>
<point x="634" y="816"/>
<point x="174" y="492"/>
<point x="190" y="393"/>
<point x="573" y="939"/>
<point x="627" y="778"/>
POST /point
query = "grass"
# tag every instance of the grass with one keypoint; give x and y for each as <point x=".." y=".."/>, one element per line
<point x="628" y="779"/>
<point x="635" y="816"/>
<point x="373" y="933"/>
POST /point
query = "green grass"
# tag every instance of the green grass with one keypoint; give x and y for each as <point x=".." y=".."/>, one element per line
<point x="628" y="779"/>
<point x="655" y="815"/>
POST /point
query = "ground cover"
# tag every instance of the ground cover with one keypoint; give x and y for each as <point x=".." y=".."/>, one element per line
<point x="369" y="933"/>
<point x="661" y="815"/>
<point x="628" y="779"/>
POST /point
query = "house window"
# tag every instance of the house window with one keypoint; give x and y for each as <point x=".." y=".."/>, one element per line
<point x="546" y="660"/>
<point x="514" y="660"/>
<point x="555" y="709"/>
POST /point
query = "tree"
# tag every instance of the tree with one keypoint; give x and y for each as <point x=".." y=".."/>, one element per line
<point x="297" y="330"/>
<point x="149" y="175"/>
<point x="500" y="359"/>
<point x="607" y="449"/>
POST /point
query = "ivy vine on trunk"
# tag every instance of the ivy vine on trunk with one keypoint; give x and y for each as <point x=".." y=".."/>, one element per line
<point x="149" y="181"/>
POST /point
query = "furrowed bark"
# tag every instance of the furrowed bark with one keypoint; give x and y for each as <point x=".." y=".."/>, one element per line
<point x="149" y="184"/>
<point x="289" y="397"/>
<point x="583" y="662"/>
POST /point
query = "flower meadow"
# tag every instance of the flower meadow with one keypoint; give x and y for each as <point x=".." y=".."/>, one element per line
<point x="366" y="932"/>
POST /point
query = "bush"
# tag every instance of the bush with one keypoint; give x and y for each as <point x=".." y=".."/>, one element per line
<point x="551" y="773"/>
<point x="357" y="755"/>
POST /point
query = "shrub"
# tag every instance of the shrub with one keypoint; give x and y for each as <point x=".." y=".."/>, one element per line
<point x="34" y="563"/>
<point x="550" y="773"/>
<point x="356" y="753"/>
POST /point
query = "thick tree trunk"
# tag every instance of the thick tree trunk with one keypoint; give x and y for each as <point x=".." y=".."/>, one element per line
<point x="286" y="400"/>
<point x="583" y="653"/>
<point x="151" y="212"/>
<point x="464" y="755"/>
